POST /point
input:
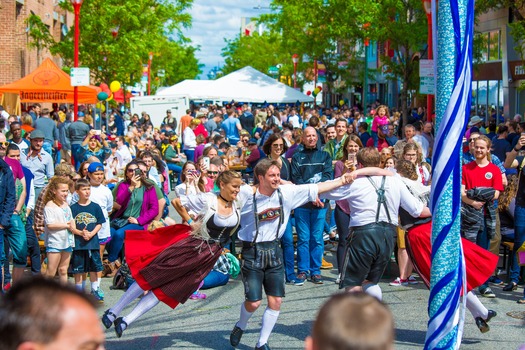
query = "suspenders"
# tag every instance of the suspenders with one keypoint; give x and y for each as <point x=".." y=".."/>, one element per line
<point x="381" y="199"/>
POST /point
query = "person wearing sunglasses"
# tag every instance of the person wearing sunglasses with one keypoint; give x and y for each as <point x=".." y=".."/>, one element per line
<point x="136" y="205"/>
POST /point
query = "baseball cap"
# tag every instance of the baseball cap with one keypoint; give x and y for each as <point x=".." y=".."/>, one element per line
<point x="252" y="142"/>
<point x="93" y="167"/>
<point x="168" y="111"/>
<point x="37" y="134"/>
<point x="80" y="114"/>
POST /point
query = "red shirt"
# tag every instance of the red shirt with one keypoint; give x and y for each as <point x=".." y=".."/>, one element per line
<point x="381" y="143"/>
<point x="487" y="176"/>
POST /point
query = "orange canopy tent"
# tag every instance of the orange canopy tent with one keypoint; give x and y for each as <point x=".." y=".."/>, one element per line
<point x="48" y="83"/>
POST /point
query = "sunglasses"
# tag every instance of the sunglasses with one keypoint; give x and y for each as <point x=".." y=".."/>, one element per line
<point x="4" y="144"/>
<point x="131" y="170"/>
<point x="213" y="173"/>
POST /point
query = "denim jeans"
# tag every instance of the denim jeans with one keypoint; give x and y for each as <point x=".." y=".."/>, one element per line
<point x="117" y="240"/>
<point x="17" y="238"/>
<point x="310" y="246"/>
<point x="519" y="238"/>
<point x="75" y="153"/>
<point x="190" y="154"/>
<point x="33" y="249"/>
<point x="2" y="258"/>
<point x="288" y="252"/>
<point x="215" y="279"/>
<point x="484" y="242"/>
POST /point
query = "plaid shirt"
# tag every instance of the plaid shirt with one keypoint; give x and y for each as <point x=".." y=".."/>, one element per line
<point x="222" y="265"/>
<point x="38" y="221"/>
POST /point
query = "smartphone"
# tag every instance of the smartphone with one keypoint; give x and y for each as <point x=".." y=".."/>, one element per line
<point x="206" y="162"/>
<point x="138" y="172"/>
<point x="351" y="158"/>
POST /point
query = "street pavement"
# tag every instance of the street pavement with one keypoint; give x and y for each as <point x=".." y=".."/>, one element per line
<point x="206" y="324"/>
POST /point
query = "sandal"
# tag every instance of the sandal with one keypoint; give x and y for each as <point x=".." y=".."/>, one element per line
<point x="521" y="301"/>
<point x="198" y="295"/>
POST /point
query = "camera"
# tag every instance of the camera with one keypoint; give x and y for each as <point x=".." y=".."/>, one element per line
<point x="138" y="172"/>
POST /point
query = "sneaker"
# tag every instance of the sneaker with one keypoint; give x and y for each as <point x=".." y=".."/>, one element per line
<point x="262" y="347"/>
<point x="96" y="294"/>
<point x="412" y="280"/>
<point x="295" y="282"/>
<point x="197" y="295"/>
<point x="301" y="277"/>
<point x="325" y="265"/>
<point x="399" y="282"/>
<point x="495" y="280"/>
<point x="317" y="279"/>
<point x="487" y="293"/>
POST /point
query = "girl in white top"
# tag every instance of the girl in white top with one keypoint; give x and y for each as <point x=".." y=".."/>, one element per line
<point x="191" y="184"/>
<point x="58" y="221"/>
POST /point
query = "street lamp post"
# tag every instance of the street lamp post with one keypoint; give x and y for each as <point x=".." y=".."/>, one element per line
<point x="295" y="60"/>
<point x="149" y="72"/>
<point x="76" y="6"/>
<point x="427" y="4"/>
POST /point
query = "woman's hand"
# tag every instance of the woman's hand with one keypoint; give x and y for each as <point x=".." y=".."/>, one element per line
<point x="132" y="220"/>
<point x="135" y="181"/>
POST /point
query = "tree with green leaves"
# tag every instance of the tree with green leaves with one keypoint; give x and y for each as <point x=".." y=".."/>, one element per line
<point x="117" y="36"/>
<point x="333" y="32"/>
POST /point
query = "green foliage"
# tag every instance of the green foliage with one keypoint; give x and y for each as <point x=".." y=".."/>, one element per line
<point x="39" y="34"/>
<point x="258" y="51"/>
<point x="143" y="26"/>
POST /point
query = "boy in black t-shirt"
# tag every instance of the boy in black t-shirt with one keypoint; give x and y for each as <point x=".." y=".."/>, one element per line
<point x="88" y="218"/>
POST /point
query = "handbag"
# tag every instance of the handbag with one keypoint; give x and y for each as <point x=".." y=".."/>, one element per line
<point x="119" y="223"/>
<point x="521" y="255"/>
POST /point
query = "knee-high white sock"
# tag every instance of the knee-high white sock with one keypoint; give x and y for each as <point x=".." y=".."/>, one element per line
<point x="268" y="322"/>
<point x="373" y="290"/>
<point x="148" y="302"/>
<point x="476" y="308"/>
<point x="245" y="317"/>
<point x="133" y="292"/>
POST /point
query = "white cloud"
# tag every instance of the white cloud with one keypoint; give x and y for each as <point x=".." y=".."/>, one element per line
<point x="215" y="20"/>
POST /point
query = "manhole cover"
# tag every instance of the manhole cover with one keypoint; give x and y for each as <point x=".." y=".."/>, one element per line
<point x="520" y="315"/>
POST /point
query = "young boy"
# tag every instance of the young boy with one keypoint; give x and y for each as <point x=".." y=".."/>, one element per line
<point x="88" y="218"/>
<point x="101" y="195"/>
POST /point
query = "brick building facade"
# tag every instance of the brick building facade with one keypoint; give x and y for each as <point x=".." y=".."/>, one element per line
<point x="16" y="58"/>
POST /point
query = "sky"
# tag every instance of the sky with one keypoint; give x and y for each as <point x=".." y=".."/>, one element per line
<point x="214" y="20"/>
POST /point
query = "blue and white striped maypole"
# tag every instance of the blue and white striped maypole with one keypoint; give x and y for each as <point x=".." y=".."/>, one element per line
<point x="453" y="91"/>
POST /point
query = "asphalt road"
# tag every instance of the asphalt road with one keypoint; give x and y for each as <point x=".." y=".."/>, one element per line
<point x="206" y="324"/>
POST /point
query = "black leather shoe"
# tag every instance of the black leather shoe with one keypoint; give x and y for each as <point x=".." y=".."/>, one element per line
<point x="510" y="287"/>
<point x="482" y="325"/>
<point x="105" y="319"/>
<point x="235" y="336"/>
<point x="492" y="314"/>
<point x="264" y="347"/>
<point x="120" y="326"/>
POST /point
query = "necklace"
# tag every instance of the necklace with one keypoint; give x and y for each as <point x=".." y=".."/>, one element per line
<point x="227" y="204"/>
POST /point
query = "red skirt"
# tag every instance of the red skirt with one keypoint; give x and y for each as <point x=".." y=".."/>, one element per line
<point x="169" y="262"/>
<point x="479" y="263"/>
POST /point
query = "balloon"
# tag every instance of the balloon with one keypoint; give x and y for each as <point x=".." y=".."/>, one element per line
<point x="341" y="102"/>
<point x="316" y="90"/>
<point x="320" y="88"/>
<point x="101" y="106"/>
<point x="114" y="86"/>
<point x="110" y="97"/>
<point x="105" y="88"/>
<point x="308" y="93"/>
<point x="102" y="96"/>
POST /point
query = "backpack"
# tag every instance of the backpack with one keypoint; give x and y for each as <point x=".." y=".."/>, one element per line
<point x="123" y="278"/>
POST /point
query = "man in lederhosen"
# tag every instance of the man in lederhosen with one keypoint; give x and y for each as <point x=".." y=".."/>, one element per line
<point x="264" y="215"/>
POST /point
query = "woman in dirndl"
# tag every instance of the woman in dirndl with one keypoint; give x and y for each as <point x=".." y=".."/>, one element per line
<point x="479" y="263"/>
<point x="174" y="271"/>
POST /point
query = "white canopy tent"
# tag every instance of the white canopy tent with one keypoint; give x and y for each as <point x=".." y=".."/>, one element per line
<point x="244" y="85"/>
<point x="250" y="85"/>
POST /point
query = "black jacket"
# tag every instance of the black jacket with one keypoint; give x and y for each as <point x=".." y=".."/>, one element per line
<point x="310" y="166"/>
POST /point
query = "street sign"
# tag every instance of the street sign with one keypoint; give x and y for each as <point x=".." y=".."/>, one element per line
<point x="273" y="70"/>
<point x="426" y="68"/>
<point x="426" y="86"/>
<point x="79" y="76"/>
